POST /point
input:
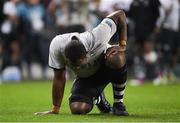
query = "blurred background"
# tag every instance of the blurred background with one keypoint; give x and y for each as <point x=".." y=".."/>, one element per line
<point x="28" y="26"/>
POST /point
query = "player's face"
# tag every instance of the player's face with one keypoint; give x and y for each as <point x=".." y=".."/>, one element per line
<point x="80" y="62"/>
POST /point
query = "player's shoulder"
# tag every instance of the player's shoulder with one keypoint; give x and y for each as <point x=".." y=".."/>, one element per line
<point x="86" y="35"/>
<point x="56" y="43"/>
<point x="59" y="39"/>
<point x="109" y="21"/>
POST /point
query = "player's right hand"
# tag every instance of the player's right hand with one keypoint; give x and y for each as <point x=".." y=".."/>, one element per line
<point x="46" y="113"/>
<point x="55" y="110"/>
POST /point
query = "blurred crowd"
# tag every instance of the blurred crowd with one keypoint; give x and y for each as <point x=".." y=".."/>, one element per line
<point x="27" y="27"/>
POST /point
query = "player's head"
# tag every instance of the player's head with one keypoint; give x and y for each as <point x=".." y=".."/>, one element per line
<point x="75" y="51"/>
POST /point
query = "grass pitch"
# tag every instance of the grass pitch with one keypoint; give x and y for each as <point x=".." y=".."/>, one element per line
<point x="18" y="102"/>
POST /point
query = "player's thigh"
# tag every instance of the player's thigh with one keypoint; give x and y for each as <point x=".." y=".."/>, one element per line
<point x="82" y="91"/>
<point x="116" y="61"/>
<point x="86" y="89"/>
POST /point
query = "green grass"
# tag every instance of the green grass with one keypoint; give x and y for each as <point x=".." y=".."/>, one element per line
<point x="18" y="102"/>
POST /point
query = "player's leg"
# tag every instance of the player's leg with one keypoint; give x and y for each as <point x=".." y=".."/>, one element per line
<point x="118" y="76"/>
<point x="118" y="92"/>
<point x="86" y="93"/>
<point x="80" y="101"/>
<point x="80" y="107"/>
<point x="84" y="108"/>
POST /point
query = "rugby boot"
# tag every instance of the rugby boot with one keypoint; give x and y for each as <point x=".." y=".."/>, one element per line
<point x="103" y="105"/>
<point x="120" y="109"/>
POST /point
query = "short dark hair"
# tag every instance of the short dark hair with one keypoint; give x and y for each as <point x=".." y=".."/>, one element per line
<point x="75" y="50"/>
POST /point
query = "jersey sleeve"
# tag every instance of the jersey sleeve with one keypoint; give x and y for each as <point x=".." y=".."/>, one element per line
<point x="56" y="59"/>
<point x="104" y="31"/>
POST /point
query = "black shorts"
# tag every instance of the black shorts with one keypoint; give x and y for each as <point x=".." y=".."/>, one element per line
<point x="87" y="89"/>
<point x="169" y="38"/>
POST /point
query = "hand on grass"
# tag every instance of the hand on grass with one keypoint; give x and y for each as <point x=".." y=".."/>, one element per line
<point x="46" y="113"/>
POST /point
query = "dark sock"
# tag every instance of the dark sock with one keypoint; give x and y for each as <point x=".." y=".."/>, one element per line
<point x="119" y="87"/>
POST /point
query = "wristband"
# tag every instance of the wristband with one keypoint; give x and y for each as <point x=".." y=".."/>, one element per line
<point x="122" y="43"/>
<point x="55" y="109"/>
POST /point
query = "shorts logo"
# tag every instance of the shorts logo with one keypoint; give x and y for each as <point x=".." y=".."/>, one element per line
<point x="109" y="23"/>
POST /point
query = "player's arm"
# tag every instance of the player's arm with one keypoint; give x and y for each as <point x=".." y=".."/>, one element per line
<point x="58" y="89"/>
<point x="56" y="61"/>
<point x="119" y="18"/>
<point x="57" y="92"/>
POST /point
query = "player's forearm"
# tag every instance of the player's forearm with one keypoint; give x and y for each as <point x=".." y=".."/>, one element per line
<point x="123" y="27"/>
<point x="58" y="92"/>
<point x="120" y="19"/>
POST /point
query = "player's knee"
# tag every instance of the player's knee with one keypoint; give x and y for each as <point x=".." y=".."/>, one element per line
<point x="80" y="108"/>
<point x="116" y="61"/>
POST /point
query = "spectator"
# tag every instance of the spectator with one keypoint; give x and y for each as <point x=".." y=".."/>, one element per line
<point x="1" y="56"/>
<point x="106" y="6"/>
<point x="168" y="41"/>
<point x="69" y="15"/>
<point x="10" y="22"/>
<point x="95" y="15"/>
<point x="1" y="11"/>
<point x="1" y="59"/>
<point x="32" y="14"/>
<point x="123" y="4"/>
<point x="144" y="28"/>
<point x="11" y="63"/>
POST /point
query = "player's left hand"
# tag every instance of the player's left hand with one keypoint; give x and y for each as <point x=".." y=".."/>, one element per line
<point x="114" y="50"/>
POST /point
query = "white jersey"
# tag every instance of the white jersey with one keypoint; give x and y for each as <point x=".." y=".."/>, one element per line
<point x="171" y="20"/>
<point x="95" y="42"/>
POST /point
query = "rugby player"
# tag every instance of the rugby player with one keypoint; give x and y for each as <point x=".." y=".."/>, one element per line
<point x="95" y="62"/>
